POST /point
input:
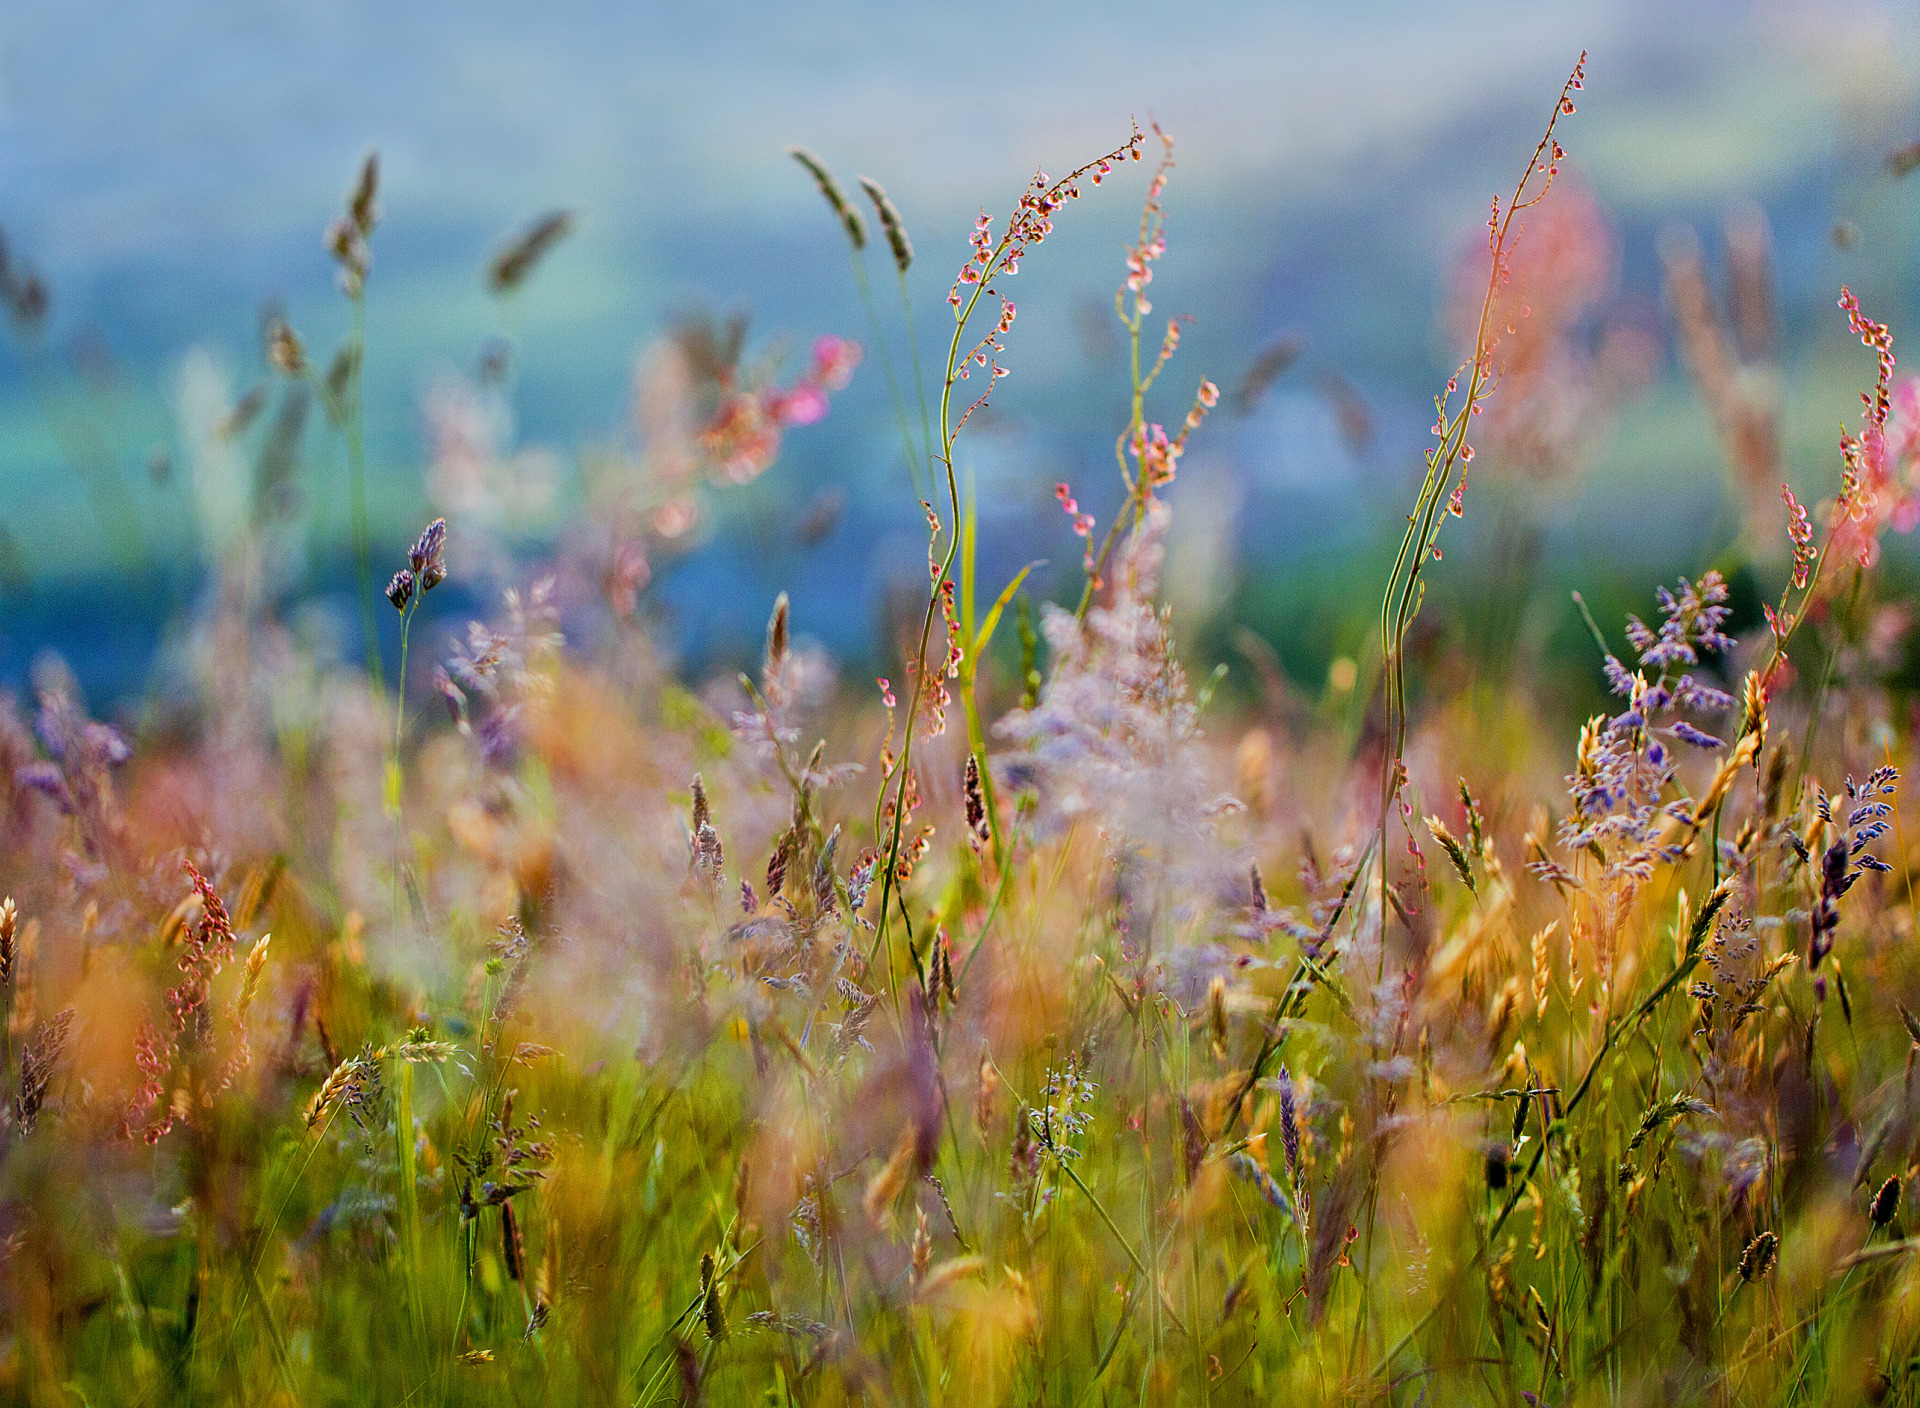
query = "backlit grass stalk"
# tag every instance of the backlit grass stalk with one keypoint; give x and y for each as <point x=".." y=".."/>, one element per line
<point x="991" y="259"/>
<point x="1443" y="490"/>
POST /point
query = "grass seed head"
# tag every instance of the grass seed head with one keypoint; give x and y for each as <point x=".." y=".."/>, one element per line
<point x="836" y="198"/>
<point x="1885" y="1202"/>
<point x="890" y="223"/>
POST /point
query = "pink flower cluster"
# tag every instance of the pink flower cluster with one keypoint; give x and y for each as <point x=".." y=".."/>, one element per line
<point x="742" y="437"/>
<point x="1877" y="486"/>
<point x="1082" y="522"/>
<point x="1157" y="457"/>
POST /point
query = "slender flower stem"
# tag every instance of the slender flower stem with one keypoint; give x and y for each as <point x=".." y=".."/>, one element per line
<point x="395" y="771"/>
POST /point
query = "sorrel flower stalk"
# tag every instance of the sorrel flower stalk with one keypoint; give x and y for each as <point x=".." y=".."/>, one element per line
<point x="1156" y="458"/>
<point x="1030" y="223"/>
<point x="1404" y="593"/>
<point x="1857" y="517"/>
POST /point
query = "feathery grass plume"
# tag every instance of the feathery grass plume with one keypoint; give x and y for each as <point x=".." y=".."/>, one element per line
<point x="510" y="267"/>
<point x="1662" y="1113"/>
<point x="783" y="851"/>
<point x="1542" y="969"/>
<point x="344" y="1088"/>
<point x="835" y="197"/>
<point x="1759" y="1256"/>
<point x="890" y="222"/>
<point x="1742" y="753"/>
<point x="776" y="655"/>
<point x="250" y="982"/>
<point x="920" y="1251"/>
<point x="1455" y="853"/>
<point x="950" y="1273"/>
<point x="38" y="1062"/>
<point x="1753" y="712"/>
<point x="884" y="1188"/>
<point x="1909" y="1021"/>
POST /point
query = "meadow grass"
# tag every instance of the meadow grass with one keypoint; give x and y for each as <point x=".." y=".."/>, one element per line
<point x="581" y="1035"/>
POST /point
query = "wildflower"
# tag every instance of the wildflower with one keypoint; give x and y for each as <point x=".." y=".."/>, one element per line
<point x="9" y="919"/>
<point x="1800" y="535"/>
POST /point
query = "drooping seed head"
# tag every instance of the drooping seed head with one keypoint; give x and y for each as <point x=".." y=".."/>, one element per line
<point x="829" y="188"/>
<point x="1885" y="1203"/>
<point x="284" y="349"/>
<point x="1758" y="1258"/>
<point x="361" y="207"/>
<point x="511" y="266"/>
<point x="890" y="222"/>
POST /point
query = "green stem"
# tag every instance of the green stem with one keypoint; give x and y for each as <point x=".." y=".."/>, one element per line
<point x="357" y="491"/>
<point x="395" y="774"/>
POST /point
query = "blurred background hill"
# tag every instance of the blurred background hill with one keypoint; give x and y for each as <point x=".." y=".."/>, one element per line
<point x="169" y="168"/>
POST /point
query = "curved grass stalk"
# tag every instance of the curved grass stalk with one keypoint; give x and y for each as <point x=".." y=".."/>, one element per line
<point x="1026" y="227"/>
<point x="1440" y="488"/>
